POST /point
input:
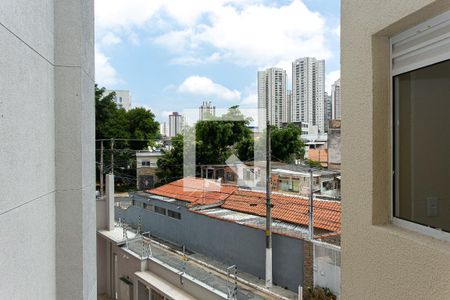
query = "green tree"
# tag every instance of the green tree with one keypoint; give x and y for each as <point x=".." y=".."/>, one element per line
<point x="113" y="122"/>
<point x="313" y="164"/>
<point x="116" y="123"/>
<point x="219" y="137"/>
<point x="142" y="125"/>
<point x="170" y="165"/>
<point x="286" y="144"/>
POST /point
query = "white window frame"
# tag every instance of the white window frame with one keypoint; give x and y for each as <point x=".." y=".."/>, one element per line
<point x="420" y="30"/>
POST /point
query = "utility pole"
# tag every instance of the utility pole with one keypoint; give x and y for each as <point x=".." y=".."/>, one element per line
<point x="268" y="209"/>
<point x="311" y="206"/>
<point x="101" y="169"/>
<point x="112" y="156"/>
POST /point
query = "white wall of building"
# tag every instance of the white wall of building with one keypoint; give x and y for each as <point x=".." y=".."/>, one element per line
<point x="175" y="124"/>
<point x="308" y="90"/>
<point x="336" y="100"/>
<point x="122" y="98"/>
<point x="272" y="94"/>
<point x="47" y="202"/>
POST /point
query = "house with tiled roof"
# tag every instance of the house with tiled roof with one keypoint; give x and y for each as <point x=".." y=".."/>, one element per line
<point x="227" y="223"/>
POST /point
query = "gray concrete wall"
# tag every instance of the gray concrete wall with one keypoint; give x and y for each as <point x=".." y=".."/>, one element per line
<point x="224" y="241"/>
<point x="46" y="153"/>
<point x="334" y="145"/>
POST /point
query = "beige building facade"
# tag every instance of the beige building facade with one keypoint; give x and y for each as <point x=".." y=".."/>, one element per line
<point x="383" y="257"/>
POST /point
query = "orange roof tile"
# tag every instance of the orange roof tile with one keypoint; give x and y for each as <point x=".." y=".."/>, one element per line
<point x="292" y="209"/>
<point x="194" y="190"/>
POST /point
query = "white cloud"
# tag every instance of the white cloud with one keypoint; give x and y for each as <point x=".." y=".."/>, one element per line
<point x="116" y="14"/>
<point x="105" y="74"/>
<point x="330" y="78"/>
<point x="244" y="32"/>
<point x="110" y="39"/>
<point x="204" y="86"/>
<point x="337" y="30"/>
<point x="191" y="60"/>
<point x="250" y="100"/>
<point x="261" y="35"/>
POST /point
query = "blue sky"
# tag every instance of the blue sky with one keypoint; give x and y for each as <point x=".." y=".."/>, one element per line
<point x="174" y="54"/>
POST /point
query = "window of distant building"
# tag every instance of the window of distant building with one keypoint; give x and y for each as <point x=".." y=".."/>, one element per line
<point x="146" y="163"/>
<point x="149" y="207"/>
<point x="160" y="210"/>
<point x="174" y="214"/>
<point x="421" y="127"/>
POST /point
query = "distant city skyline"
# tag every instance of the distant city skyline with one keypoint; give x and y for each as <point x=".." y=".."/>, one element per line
<point x="172" y="55"/>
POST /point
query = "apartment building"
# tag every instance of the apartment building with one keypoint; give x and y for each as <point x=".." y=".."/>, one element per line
<point x="336" y="100"/>
<point x="146" y="169"/>
<point x="328" y="110"/>
<point x="272" y="95"/>
<point x="395" y="82"/>
<point x="287" y="114"/>
<point x="122" y="98"/>
<point x="176" y="123"/>
<point x="164" y="129"/>
<point x="47" y="209"/>
<point x="206" y="110"/>
<point x="308" y="91"/>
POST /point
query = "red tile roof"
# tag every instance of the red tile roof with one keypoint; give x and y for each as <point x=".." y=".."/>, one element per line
<point x="292" y="209"/>
<point x="195" y="191"/>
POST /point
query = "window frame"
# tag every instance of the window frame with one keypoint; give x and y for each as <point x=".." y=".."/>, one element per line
<point x="393" y="128"/>
<point x="156" y="208"/>
<point x="170" y="211"/>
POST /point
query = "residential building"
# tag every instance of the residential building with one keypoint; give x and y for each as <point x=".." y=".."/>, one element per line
<point x="312" y="137"/>
<point x="164" y="129"/>
<point x="308" y="90"/>
<point x="146" y="169"/>
<point x="334" y="145"/>
<point x="319" y="155"/>
<point x="297" y="180"/>
<point x="134" y="263"/>
<point x="287" y="112"/>
<point x="285" y="177"/>
<point x="395" y="82"/>
<point x="336" y="100"/>
<point x="328" y="107"/>
<point x="227" y="224"/>
<point x="272" y="95"/>
<point x="122" y="98"/>
<point x="206" y="111"/>
<point x="176" y="123"/>
<point x="47" y="117"/>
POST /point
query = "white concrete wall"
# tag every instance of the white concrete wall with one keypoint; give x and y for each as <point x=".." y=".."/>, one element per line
<point x="47" y="201"/>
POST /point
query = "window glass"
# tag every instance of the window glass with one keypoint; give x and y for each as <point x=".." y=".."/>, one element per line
<point x="160" y="210"/>
<point x="148" y="207"/>
<point x="422" y="146"/>
<point x="174" y="214"/>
